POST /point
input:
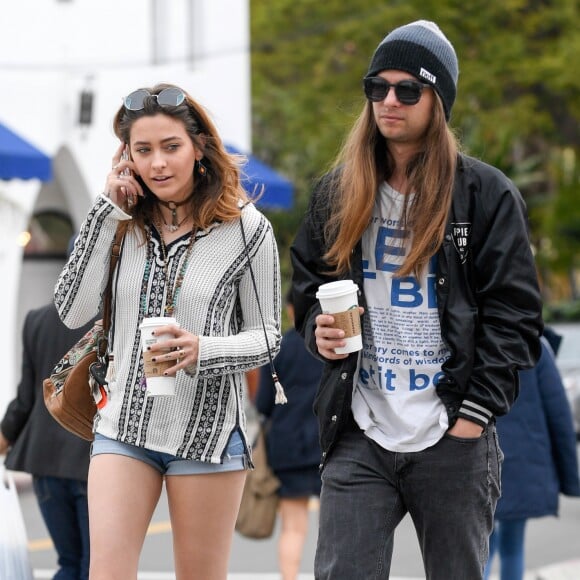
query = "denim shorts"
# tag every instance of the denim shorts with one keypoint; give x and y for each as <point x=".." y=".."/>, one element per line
<point x="167" y="464"/>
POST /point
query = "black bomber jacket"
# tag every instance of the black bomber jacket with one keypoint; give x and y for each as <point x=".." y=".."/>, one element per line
<point x="487" y="296"/>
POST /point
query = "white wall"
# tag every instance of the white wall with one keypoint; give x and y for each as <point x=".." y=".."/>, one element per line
<point x="50" y="50"/>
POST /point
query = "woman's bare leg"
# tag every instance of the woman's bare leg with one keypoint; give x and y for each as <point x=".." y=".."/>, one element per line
<point x="122" y="493"/>
<point x="203" y="511"/>
<point x="294" y="515"/>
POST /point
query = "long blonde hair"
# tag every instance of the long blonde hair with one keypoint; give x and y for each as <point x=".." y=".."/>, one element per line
<point x="364" y="163"/>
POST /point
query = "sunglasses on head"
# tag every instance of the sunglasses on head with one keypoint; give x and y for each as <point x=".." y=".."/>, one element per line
<point x="171" y="97"/>
<point x="408" y="92"/>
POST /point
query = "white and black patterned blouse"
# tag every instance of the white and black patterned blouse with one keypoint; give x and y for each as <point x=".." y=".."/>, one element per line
<point x="216" y="301"/>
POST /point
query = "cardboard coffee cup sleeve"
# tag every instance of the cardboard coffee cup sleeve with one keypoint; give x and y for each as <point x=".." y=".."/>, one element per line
<point x="155" y="369"/>
<point x="349" y="321"/>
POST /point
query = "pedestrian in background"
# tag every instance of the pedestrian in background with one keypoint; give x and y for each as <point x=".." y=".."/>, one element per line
<point x="57" y="460"/>
<point x="437" y="243"/>
<point x="539" y="444"/>
<point x="292" y="441"/>
<point x="196" y="250"/>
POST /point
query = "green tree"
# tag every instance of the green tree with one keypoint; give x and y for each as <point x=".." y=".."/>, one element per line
<point x="559" y="247"/>
<point x="517" y="97"/>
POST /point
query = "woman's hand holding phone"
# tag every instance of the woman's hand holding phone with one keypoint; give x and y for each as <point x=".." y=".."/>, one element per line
<point x="122" y="187"/>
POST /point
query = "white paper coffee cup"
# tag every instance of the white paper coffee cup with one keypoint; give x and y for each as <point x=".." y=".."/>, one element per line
<point x="340" y="299"/>
<point x="157" y="384"/>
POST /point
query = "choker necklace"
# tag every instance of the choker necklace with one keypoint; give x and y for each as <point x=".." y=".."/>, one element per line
<point x="173" y="205"/>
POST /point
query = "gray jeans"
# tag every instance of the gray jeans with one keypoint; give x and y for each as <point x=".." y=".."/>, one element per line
<point x="450" y="491"/>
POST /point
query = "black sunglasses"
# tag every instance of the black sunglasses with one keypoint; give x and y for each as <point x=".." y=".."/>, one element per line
<point x="408" y="92"/>
<point x="171" y="97"/>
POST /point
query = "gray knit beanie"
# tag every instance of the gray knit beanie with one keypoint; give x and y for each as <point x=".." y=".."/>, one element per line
<point x="421" y="49"/>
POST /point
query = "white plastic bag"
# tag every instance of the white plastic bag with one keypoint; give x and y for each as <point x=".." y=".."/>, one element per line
<point x="14" y="559"/>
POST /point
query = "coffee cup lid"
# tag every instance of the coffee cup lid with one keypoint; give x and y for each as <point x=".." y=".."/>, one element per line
<point x="335" y="289"/>
<point x="158" y="321"/>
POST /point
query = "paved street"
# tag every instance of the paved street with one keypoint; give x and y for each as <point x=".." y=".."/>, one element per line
<point x="553" y="547"/>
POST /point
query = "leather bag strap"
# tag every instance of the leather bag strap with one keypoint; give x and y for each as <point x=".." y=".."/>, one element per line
<point x="115" y="255"/>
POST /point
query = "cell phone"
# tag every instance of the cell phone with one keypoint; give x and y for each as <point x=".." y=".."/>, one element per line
<point x="130" y="198"/>
<point x="125" y="157"/>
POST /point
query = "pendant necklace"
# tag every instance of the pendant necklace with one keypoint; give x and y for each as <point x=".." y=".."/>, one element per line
<point x="173" y="205"/>
<point x="173" y="226"/>
<point x="173" y="292"/>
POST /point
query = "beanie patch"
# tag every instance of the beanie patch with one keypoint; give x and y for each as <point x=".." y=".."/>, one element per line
<point x="425" y="74"/>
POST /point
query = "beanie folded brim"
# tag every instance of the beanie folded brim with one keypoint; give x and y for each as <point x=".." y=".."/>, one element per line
<point x="418" y="61"/>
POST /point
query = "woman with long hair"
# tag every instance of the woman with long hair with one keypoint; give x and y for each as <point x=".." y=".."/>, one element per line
<point x="195" y="250"/>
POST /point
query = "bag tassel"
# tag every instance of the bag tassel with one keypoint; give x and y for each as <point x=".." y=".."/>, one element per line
<point x="280" y="398"/>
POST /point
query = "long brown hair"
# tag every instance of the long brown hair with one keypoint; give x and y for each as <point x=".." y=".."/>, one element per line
<point x="217" y="193"/>
<point x="364" y="163"/>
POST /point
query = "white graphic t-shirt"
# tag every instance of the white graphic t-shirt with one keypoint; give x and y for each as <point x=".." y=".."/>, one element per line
<point x="394" y="399"/>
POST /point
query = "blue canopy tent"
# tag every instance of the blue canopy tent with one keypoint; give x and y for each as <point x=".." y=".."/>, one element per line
<point x="21" y="160"/>
<point x="277" y="189"/>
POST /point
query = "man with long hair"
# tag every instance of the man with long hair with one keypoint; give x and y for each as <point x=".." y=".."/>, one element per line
<point x="437" y="243"/>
